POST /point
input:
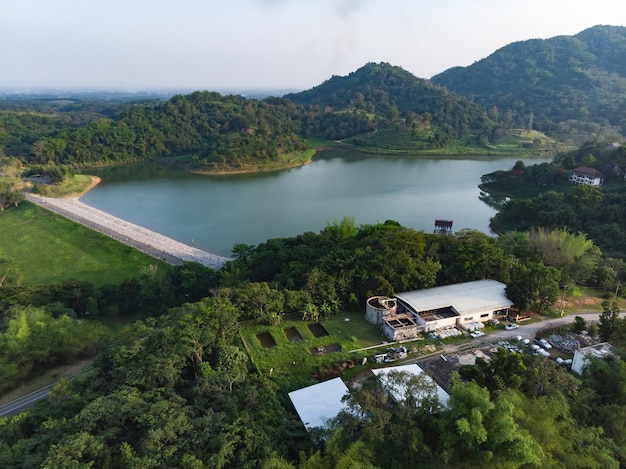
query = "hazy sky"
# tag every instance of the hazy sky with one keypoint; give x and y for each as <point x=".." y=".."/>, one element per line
<point x="265" y="44"/>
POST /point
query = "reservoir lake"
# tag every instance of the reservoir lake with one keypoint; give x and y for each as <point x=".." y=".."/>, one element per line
<point x="215" y="212"/>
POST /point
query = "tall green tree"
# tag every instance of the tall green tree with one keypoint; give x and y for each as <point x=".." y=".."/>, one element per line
<point x="258" y="301"/>
<point x="610" y="323"/>
<point x="533" y="285"/>
<point x="469" y="255"/>
<point x="484" y="432"/>
<point x="574" y="254"/>
<point x="9" y="273"/>
<point x="9" y="195"/>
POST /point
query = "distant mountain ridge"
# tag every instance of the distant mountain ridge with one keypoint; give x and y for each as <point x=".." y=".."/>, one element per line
<point x="565" y="78"/>
<point x="565" y="87"/>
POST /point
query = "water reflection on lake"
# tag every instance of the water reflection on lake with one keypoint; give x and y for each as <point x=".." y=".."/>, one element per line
<point x="216" y="212"/>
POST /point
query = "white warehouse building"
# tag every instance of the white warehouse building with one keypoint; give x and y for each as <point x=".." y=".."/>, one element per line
<point x="426" y="310"/>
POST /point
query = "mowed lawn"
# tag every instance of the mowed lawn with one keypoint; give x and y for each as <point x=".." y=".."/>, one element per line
<point x="48" y="248"/>
<point x="292" y="363"/>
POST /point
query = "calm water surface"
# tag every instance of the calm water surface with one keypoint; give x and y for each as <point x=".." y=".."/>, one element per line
<point x="214" y="213"/>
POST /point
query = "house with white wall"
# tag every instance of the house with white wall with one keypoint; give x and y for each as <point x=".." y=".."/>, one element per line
<point x="584" y="175"/>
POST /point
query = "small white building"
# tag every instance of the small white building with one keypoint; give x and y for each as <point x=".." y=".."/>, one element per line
<point x="443" y="226"/>
<point x="320" y="402"/>
<point x="581" y="356"/>
<point x="584" y="175"/>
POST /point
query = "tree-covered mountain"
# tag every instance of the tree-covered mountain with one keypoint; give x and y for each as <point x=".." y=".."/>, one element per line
<point x="231" y="131"/>
<point x="389" y="96"/>
<point x="568" y="83"/>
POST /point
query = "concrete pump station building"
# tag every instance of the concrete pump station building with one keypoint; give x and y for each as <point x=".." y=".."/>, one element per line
<point x="410" y="313"/>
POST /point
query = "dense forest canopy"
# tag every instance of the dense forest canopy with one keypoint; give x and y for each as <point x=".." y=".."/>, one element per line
<point x="568" y="83"/>
<point x="205" y="123"/>
<point x="178" y="390"/>
<point x="25" y="120"/>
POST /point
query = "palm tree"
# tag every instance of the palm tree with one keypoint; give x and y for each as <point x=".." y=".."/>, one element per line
<point x="310" y="313"/>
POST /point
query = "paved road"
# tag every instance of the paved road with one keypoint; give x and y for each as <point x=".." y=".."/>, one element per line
<point x="527" y="331"/>
<point x="28" y="400"/>
<point x="24" y="402"/>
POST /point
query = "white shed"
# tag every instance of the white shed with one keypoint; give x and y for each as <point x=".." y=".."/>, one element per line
<point x="581" y="356"/>
<point x="320" y="402"/>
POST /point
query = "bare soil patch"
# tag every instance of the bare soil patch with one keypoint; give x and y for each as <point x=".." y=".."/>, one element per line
<point x="267" y="341"/>
<point x="323" y="349"/>
<point x="318" y="330"/>
<point x="292" y="335"/>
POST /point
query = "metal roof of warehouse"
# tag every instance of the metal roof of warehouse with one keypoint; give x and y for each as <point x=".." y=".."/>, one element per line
<point x="465" y="298"/>
<point x="399" y="393"/>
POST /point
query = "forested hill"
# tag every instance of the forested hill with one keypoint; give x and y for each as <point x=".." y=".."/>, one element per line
<point x="225" y="129"/>
<point x="232" y="131"/>
<point x="390" y="95"/>
<point x="566" y="78"/>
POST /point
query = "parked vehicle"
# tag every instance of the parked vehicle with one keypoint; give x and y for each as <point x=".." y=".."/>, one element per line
<point x="544" y="343"/>
<point x="477" y="334"/>
<point x="543" y="352"/>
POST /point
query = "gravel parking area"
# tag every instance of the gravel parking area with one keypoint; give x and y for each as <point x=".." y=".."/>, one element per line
<point x="153" y="244"/>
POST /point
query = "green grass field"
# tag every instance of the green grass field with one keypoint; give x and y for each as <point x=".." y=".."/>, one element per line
<point x="47" y="248"/>
<point x="293" y="364"/>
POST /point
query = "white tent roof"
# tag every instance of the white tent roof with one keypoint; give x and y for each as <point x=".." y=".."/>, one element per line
<point x="465" y="298"/>
<point x="320" y="402"/>
<point x="399" y="394"/>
